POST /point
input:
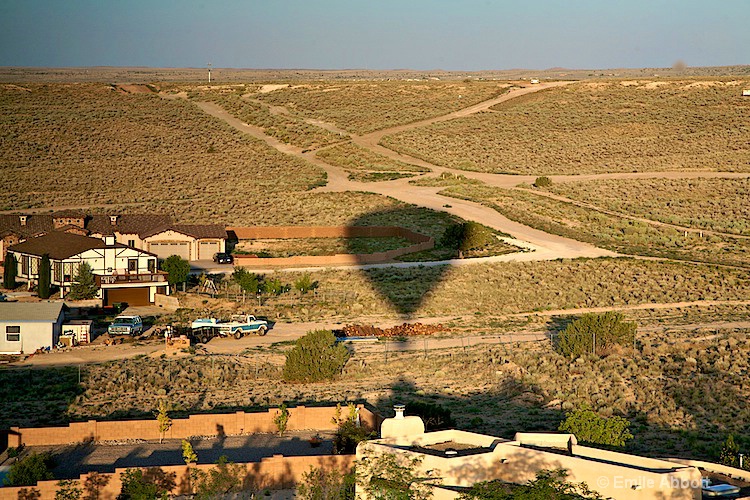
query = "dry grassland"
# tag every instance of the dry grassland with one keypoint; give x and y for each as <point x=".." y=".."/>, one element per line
<point x="320" y="246"/>
<point x="608" y="231"/>
<point x="366" y="165"/>
<point x="501" y="389"/>
<point x="715" y="204"/>
<point x="508" y="288"/>
<point x="283" y="126"/>
<point x="596" y="127"/>
<point x="87" y="144"/>
<point x="362" y="107"/>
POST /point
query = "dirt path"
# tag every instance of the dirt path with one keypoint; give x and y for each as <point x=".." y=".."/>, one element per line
<point x="289" y="332"/>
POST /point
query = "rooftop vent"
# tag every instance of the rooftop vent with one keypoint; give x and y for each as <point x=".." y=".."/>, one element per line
<point x="23" y="218"/>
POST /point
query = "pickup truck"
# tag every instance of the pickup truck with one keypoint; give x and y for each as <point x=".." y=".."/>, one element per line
<point x="238" y="325"/>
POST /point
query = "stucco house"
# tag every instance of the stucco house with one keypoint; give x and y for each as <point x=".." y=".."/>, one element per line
<point x="451" y="459"/>
<point x="28" y="326"/>
<point x="123" y="273"/>
<point x="157" y="234"/>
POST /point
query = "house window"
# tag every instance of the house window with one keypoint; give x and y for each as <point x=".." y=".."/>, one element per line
<point x="131" y="243"/>
<point x="58" y="271"/>
<point x="25" y="265"/>
<point x="12" y="333"/>
<point x="152" y="265"/>
<point x="132" y="265"/>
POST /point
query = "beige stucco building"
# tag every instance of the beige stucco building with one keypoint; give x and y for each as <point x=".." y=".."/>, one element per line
<point x="461" y="459"/>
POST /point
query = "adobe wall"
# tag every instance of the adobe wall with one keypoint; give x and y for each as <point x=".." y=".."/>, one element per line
<point x="238" y="423"/>
<point x="277" y="472"/>
<point x="420" y="243"/>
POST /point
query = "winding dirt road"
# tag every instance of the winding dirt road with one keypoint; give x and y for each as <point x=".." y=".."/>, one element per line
<point x="544" y="246"/>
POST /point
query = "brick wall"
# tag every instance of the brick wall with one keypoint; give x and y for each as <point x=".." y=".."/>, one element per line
<point x="301" y="417"/>
<point x="277" y="472"/>
<point x="420" y="243"/>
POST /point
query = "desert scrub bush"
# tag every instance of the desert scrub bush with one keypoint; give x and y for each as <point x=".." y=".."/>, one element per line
<point x="627" y="128"/>
<point x="152" y="482"/>
<point x="108" y="142"/>
<point x="591" y="428"/>
<point x="445" y="179"/>
<point x="362" y="107"/>
<point x="315" y="357"/>
<point x="326" y="484"/>
<point x="542" y="182"/>
<point x="549" y="484"/>
<point x="714" y="204"/>
<point x="435" y="417"/>
<point x="596" y="334"/>
<point x="467" y="237"/>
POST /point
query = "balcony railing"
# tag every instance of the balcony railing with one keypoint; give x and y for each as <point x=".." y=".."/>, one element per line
<point x="115" y="279"/>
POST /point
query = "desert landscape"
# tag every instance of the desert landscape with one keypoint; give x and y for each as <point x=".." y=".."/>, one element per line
<point x="622" y="191"/>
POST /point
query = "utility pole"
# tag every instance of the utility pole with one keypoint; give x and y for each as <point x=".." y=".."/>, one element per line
<point x="209" y="72"/>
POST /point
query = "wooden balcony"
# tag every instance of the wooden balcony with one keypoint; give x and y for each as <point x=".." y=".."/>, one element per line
<point x="120" y="278"/>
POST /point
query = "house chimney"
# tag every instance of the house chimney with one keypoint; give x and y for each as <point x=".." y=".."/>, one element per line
<point x="109" y="240"/>
<point x="113" y="220"/>
<point x="23" y="218"/>
<point x="399" y="409"/>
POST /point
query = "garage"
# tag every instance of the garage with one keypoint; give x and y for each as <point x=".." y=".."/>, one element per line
<point x="136" y="296"/>
<point x="207" y="249"/>
<point x="167" y="249"/>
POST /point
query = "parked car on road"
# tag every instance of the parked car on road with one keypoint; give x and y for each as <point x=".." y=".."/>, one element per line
<point x="126" y="325"/>
<point x="223" y="258"/>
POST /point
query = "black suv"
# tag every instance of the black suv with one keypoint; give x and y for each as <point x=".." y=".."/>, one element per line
<point x="223" y="258"/>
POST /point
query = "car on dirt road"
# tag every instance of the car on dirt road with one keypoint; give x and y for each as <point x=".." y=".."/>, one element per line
<point x="238" y="326"/>
<point x="126" y="325"/>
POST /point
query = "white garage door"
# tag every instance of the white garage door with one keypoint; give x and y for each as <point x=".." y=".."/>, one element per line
<point x="164" y="250"/>
<point x="207" y="249"/>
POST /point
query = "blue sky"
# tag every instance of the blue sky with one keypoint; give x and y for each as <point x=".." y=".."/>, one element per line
<point x="375" y="34"/>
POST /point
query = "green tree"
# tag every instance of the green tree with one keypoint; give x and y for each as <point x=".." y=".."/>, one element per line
<point x="589" y="427"/>
<point x="274" y="286"/>
<point x="162" y="418"/>
<point x="390" y="476"/>
<point x="29" y="470"/>
<point x="188" y="453"/>
<point x="467" y="236"/>
<point x="249" y="282"/>
<point x="178" y="269"/>
<point x="84" y="285"/>
<point x="139" y="484"/>
<point x="548" y="485"/>
<point x="326" y="484"/>
<point x="305" y="283"/>
<point x="281" y="419"/>
<point x="596" y="333"/>
<point x="315" y="357"/>
<point x="225" y="478"/>
<point x="45" y="278"/>
<point x="435" y="417"/>
<point x="10" y="271"/>
<point x="68" y="489"/>
<point x="730" y="452"/>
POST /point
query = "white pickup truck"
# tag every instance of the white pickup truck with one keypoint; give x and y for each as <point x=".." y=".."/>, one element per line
<point x="238" y="325"/>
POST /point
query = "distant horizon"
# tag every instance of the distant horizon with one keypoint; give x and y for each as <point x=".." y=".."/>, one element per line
<point x="468" y="36"/>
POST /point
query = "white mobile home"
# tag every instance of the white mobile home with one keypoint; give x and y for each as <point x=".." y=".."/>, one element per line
<point x="28" y="326"/>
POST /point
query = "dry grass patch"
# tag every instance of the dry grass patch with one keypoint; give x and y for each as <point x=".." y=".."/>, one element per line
<point x="608" y="231"/>
<point x="362" y="107"/>
<point x="88" y="145"/>
<point x="364" y="164"/>
<point x="319" y="246"/>
<point x="714" y="204"/>
<point x="609" y="127"/>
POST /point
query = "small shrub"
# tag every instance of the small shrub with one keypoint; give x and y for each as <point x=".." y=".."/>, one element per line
<point x="730" y="451"/>
<point x="305" y="283"/>
<point x="589" y="427"/>
<point x="348" y="436"/>
<point x="315" y="357"/>
<point x="249" y="282"/>
<point x="542" y="182"/>
<point x="219" y="481"/>
<point x="188" y="453"/>
<point x="435" y="417"/>
<point x="139" y="484"/>
<point x="595" y="333"/>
